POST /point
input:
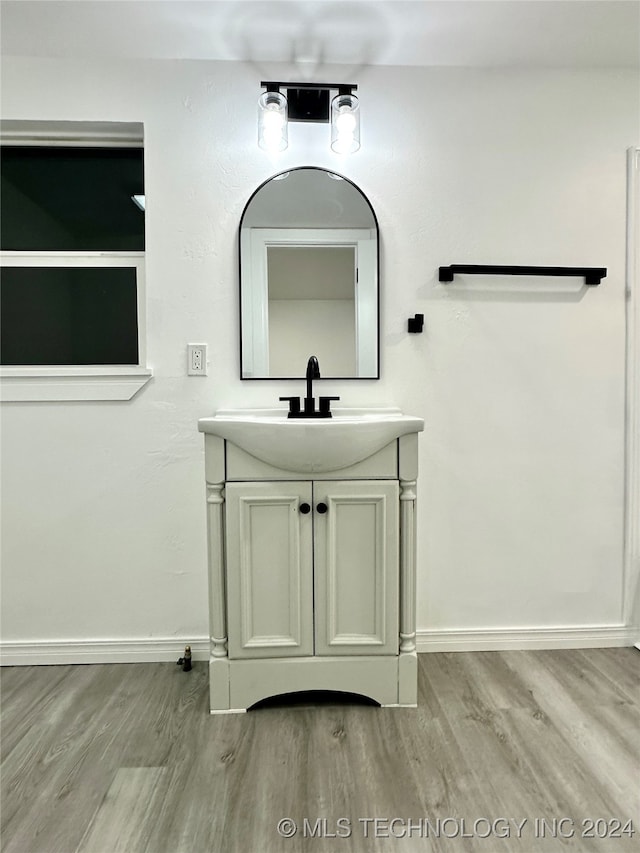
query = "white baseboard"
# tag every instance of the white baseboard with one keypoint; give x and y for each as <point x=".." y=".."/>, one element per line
<point x="37" y="652"/>
<point x="43" y="652"/>
<point x="505" y="639"/>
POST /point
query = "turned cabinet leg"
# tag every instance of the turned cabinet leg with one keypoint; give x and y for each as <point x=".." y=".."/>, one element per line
<point x="219" y="662"/>
<point x="407" y="665"/>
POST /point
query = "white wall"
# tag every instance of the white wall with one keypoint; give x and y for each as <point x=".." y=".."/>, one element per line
<point x="520" y="382"/>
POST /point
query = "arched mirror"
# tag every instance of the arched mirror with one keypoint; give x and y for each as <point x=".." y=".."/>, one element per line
<point x="309" y="278"/>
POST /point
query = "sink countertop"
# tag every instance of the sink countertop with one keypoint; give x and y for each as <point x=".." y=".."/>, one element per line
<point x="311" y="444"/>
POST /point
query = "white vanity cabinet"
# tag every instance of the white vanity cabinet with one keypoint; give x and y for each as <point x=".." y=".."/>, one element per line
<point x="311" y="573"/>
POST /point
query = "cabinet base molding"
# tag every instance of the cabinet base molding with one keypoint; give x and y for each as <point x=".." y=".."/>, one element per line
<point x="236" y="685"/>
<point x="408" y="680"/>
<point x="228" y="711"/>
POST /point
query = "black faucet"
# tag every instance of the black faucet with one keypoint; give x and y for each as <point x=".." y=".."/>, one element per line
<point x="309" y="410"/>
<point x="313" y="372"/>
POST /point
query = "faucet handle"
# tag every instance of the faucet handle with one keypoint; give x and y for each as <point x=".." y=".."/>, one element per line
<point x="325" y="405"/>
<point x="294" y="405"/>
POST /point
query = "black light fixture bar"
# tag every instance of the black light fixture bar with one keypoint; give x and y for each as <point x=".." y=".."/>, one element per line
<point x="309" y="101"/>
<point x="592" y="275"/>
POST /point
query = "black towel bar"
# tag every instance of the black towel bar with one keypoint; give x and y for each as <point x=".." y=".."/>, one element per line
<point x="592" y="275"/>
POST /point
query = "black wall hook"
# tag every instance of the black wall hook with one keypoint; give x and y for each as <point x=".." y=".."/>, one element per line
<point x="416" y="324"/>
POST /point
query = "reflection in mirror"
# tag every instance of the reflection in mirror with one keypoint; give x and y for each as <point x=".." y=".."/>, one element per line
<point x="309" y="278"/>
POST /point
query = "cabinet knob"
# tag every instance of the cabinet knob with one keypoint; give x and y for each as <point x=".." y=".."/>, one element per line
<point x="322" y="508"/>
<point x="305" y="508"/>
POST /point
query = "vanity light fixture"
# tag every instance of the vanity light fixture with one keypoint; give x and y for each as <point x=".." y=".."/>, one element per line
<point x="345" y="124"/>
<point x="311" y="102"/>
<point x="272" y="121"/>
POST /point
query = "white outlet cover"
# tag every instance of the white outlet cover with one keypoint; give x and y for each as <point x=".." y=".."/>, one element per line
<point x="196" y="359"/>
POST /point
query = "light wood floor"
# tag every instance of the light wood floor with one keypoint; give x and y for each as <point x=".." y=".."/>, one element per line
<point x="125" y="757"/>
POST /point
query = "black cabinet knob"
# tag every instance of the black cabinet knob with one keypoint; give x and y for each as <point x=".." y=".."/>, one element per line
<point x="322" y="508"/>
<point x="305" y="508"/>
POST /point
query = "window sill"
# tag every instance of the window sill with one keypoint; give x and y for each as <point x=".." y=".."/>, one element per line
<point x="50" y="384"/>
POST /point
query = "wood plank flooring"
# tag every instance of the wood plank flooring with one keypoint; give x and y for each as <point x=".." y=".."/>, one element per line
<point x="125" y="758"/>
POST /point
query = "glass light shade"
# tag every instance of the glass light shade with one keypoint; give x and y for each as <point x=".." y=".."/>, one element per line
<point x="272" y="121"/>
<point x="345" y="124"/>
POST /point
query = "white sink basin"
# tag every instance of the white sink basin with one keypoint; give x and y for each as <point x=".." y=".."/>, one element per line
<point x="310" y="445"/>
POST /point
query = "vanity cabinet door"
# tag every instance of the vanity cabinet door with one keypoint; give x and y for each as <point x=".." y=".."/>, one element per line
<point x="356" y="566"/>
<point x="269" y="569"/>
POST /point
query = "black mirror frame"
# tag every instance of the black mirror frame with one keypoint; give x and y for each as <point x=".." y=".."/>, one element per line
<point x="375" y="220"/>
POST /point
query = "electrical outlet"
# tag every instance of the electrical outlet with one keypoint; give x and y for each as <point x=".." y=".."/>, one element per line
<point x="196" y="359"/>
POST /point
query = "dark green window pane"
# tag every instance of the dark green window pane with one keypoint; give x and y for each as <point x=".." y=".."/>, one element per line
<point x="68" y="315"/>
<point x="71" y="199"/>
